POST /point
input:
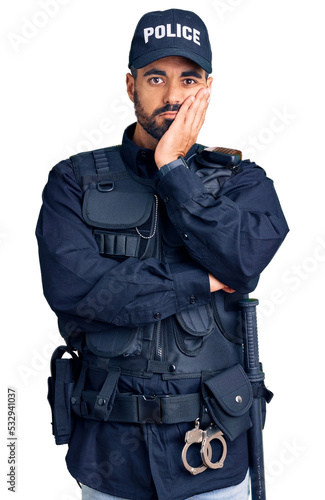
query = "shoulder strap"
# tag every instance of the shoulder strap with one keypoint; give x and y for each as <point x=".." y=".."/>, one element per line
<point x="100" y="166"/>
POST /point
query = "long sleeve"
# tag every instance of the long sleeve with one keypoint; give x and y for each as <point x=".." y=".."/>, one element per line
<point x="234" y="234"/>
<point x="89" y="290"/>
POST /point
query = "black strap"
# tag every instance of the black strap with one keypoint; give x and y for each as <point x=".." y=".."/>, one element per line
<point x="140" y="409"/>
<point x="79" y="406"/>
<point x="58" y="353"/>
<point x="260" y="391"/>
<point x="101" y="165"/>
<point x="105" y="399"/>
<point x="101" y="161"/>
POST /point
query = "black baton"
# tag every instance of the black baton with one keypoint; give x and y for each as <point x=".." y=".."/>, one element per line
<point x="256" y="377"/>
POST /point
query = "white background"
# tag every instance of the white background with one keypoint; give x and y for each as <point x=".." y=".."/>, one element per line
<point x="63" y="91"/>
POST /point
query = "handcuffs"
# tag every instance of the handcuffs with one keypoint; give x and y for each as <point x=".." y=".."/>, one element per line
<point x="205" y="437"/>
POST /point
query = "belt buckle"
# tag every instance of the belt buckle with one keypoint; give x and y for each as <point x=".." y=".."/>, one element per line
<point x="149" y="409"/>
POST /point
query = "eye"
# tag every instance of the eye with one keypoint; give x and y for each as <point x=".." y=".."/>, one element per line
<point x="189" y="81"/>
<point x="156" y="80"/>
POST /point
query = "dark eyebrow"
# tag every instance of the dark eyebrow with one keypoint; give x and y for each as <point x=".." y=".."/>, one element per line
<point x="192" y="72"/>
<point x="155" y="72"/>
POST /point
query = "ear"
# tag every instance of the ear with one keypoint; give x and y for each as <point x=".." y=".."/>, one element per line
<point x="209" y="82"/>
<point x="130" y="86"/>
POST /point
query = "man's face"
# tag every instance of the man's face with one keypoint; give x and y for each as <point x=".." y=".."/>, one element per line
<point x="161" y="88"/>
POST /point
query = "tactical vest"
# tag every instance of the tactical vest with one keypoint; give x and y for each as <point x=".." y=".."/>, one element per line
<point x="129" y="220"/>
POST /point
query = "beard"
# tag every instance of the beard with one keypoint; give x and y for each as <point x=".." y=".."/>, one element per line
<point x="149" y="122"/>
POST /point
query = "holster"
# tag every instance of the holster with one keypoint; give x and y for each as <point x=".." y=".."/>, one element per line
<point x="60" y="386"/>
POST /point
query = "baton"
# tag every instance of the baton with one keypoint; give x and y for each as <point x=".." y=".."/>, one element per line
<point x="256" y="377"/>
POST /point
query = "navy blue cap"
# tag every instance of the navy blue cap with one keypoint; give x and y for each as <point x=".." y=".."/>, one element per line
<point x="172" y="32"/>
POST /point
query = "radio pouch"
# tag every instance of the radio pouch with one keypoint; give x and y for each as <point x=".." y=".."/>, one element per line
<point x="60" y="386"/>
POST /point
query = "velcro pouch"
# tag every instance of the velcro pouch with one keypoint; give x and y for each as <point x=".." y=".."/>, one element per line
<point x="193" y="327"/>
<point x="119" y="216"/>
<point x="116" y="209"/>
<point x="228" y="396"/>
<point x="127" y="207"/>
<point x="115" y="341"/>
<point x="60" y="387"/>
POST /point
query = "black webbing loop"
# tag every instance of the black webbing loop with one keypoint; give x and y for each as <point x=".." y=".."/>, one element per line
<point x="260" y="391"/>
<point x="101" y="162"/>
<point x="105" y="399"/>
<point x="78" y="407"/>
<point x="58" y="353"/>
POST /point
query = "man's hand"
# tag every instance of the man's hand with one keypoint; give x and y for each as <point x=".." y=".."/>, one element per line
<point x="183" y="132"/>
<point x="216" y="285"/>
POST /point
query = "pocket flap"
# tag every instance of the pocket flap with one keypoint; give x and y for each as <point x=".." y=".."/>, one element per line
<point x="117" y="209"/>
<point x="198" y="321"/>
<point x="111" y="342"/>
<point x="232" y="389"/>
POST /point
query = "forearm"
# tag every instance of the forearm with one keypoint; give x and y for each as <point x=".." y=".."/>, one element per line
<point x="234" y="235"/>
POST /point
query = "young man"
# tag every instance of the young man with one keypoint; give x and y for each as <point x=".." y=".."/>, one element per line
<point x="145" y="250"/>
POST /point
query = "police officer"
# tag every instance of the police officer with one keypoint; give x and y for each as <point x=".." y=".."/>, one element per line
<point x="145" y="250"/>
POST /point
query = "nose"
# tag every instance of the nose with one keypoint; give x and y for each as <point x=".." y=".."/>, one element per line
<point x="173" y="94"/>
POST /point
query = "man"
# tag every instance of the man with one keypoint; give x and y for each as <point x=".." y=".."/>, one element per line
<point x="145" y="250"/>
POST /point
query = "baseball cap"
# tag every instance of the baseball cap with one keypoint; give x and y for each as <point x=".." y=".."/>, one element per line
<point x="172" y="32"/>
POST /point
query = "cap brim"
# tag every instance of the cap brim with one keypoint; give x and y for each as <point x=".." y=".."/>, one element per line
<point x="154" y="55"/>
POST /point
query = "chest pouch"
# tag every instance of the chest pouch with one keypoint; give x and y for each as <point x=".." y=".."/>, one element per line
<point x="123" y="214"/>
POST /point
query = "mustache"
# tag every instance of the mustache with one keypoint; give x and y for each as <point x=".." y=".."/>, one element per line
<point x="167" y="108"/>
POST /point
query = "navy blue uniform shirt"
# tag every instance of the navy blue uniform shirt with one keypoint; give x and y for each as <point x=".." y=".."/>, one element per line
<point x="233" y="236"/>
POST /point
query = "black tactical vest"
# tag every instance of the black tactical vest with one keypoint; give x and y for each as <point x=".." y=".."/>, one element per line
<point x="128" y="221"/>
<point x="203" y="344"/>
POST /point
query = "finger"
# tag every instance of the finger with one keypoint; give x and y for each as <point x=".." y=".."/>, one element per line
<point x="183" y="110"/>
<point x="196" y="114"/>
<point x="200" y="104"/>
<point x="202" y="118"/>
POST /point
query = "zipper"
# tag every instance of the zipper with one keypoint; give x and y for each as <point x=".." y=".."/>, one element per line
<point x="159" y="342"/>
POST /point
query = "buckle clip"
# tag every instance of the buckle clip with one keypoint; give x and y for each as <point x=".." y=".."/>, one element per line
<point x="105" y="186"/>
<point x="149" y="409"/>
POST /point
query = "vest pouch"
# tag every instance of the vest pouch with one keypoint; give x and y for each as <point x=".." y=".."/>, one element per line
<point x="120" y="216"/>
<point x="228" y="396"/>
<point x="60" y="387"/>
<point x="192" y="329"/>
<point x="116" y="341"/>
<point x="227" y="315"/>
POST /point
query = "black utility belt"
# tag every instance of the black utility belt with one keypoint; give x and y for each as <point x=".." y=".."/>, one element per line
<point x="224" y="399"/>
<point x="139" y="409"/>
